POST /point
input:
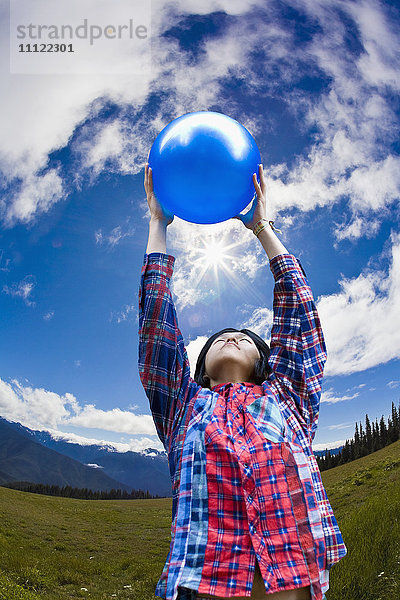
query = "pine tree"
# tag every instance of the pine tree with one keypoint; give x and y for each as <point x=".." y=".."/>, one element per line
<point x="375" y="436"/>
<point x="382" y="432"/>
<point x="352" y="450"/>
<point x="345" y="453"/>
<point x="395" y="422"/>
<point x="363" y="444"/>
<point x="357" y="443"/>
<point x="368" y="435"/>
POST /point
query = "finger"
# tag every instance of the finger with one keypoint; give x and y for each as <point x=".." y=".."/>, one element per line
<point x="259" y="189"/>
<point x="257" y="186"/>
<point x="146" y="174"/>
<point x="262" y="178"/>
<point x="150" y="179"/>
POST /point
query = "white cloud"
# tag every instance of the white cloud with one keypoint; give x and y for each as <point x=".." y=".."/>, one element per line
<point x="393" y="384"/>
<point x="49" y="315"/>
<point x="233" y="7"/>
<point x="358" y="321"/>
<point x="340" y="426"/>
<point x="114" y="237"/>
<point x="22" y="289"/>
<point x="40" y="115"/>
<point x="133" y="445"/>
<point x="35" y="408"/>
<point x="356" y="123"/>
<point x="328" y="445"/>
<point x="36" y="195"/>
<point x="330" y="397"/>
<point x="121" y="421"/>
<point x="379" y="62"/>
<point x="38" y="408"/>
<point x="129" y="311"/>
<point x="120" y="145"/>
<point x="358" y="227"/>
<point x="193" y="350"/>
<point x="105" y="144"/>
<point x="259" y="321"/>
<point x="4" y="262"/>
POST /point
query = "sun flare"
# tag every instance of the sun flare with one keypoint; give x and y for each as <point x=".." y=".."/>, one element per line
<point x="216" y="254"/>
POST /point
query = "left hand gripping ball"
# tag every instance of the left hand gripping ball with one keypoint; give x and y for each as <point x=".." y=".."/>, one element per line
<point x="203" y="164"/>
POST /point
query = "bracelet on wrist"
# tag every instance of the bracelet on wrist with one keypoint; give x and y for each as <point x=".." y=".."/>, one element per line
<point x="263" y="224"/>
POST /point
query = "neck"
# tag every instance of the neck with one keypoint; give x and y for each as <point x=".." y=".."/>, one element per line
<point x="239" y="377"/>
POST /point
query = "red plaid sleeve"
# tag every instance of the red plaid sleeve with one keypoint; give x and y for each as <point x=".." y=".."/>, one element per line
<point x="163" y="363"/>
<point x="298" y="351"/>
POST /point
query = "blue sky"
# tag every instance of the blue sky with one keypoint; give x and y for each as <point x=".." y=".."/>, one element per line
<point x="316" y="83"/>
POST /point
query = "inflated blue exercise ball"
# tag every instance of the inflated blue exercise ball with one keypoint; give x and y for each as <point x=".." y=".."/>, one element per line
<point x="203" y="164"/>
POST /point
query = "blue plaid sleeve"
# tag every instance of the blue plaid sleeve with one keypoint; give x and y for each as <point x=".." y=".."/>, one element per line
<point x="163" y="362"/>
<point x="298" y="351"/>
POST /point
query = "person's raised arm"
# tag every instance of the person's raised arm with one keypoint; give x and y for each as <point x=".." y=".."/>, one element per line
<point x="258" y="212"/>
<point x="163" y="363"/>
<point x="298" y="352"/>
<point x="159" y="218"/>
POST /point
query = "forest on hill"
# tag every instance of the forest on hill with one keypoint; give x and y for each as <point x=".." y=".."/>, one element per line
<point x="370" y="438"/>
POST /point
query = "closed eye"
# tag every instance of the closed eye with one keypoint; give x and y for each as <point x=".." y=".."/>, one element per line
<point x="241" y="340"/>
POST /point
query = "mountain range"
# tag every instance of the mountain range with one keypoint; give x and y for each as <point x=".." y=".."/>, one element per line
<point x="37" y="457"/>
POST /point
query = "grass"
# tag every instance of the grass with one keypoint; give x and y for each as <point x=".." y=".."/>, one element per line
<point x="56" y="547"/>
<point x="60" y="548"/>
<point x="365" y="497"/>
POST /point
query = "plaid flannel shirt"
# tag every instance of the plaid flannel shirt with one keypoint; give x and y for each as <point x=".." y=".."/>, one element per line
<point x="245" y="483"/>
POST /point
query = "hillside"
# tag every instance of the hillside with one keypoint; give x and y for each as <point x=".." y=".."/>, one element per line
<point x="355" y="482"/>
<point x="58" y="546"/>
<point x="22" y="459"/>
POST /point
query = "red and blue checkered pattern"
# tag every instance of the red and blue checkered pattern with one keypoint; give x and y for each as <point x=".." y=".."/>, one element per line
<point x="245" y="482"/>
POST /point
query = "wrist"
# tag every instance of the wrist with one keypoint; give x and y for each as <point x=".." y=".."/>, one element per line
<point x="264" y="225"/>
<point x="157" y="240"/>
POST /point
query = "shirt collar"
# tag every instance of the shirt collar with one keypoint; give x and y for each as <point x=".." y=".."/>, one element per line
<point x="223" y="386"/>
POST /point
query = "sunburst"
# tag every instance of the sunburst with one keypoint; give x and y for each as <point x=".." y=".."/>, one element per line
<point x="217" y="254"/>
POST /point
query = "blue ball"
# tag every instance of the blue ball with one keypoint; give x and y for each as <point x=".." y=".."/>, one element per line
<point x="203" y="164"/>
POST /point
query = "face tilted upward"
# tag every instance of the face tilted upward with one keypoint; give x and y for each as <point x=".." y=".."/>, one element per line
<point x="231" y="355"/>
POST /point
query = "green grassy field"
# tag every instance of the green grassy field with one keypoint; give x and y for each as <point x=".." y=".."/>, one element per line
<point x="59" y="548"/>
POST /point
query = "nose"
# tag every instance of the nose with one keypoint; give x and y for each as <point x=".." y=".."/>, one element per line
<point x="231" y="338"/>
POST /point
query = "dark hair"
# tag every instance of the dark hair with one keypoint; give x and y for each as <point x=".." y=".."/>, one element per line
<point x="261" y="366"/>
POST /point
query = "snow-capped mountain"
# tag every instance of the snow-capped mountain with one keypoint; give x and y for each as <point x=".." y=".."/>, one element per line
<point x="145" y="470"/>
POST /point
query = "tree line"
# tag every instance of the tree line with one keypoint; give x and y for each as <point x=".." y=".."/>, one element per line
<point x="82" y="493"/>
<point x="373" y="436"/>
